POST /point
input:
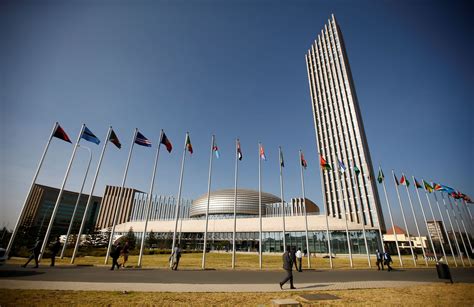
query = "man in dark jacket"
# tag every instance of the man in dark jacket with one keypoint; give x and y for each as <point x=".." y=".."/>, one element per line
<point x="287" y="266"/>
<point x="293" y="258"/>
<point x="115" y="254"/>
<point x="35" y="252"/>
<point x="55" y="250"/>
<point x="379" y="257"/>
<point x="387" y="259"/>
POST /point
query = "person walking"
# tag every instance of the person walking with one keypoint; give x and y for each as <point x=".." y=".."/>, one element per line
<point x="35" y="252"/>
<point x="125" y="253"/>
<point x="387" y="259"/>
<point x="55" y="248"/>
<point x="293" y="257"/>
<point x="379" y="255"/>
<point x="174" y="258"/>
<point x="299" y="259"/>
<point x="288" y="267"/>
<point x="115" y="254"/>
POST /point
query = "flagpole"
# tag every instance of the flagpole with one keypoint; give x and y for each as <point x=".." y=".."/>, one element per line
<point x="404" y="219"/>
<point x="84" y="216"/>
<point x="58" y="200"/>
<point x="178" y="201"/>
<point x="203" y="265"/>
<point x="150" y="193"/>
<point x="361" y="216"/>
<point x="436" y="227"/>
<point x="282" y="200"/>
<point x="345" y="219"/>
<point x="22" y="212"/>
<point x="460" y="233"/>
<point x="445" y="230"/>
<point x="235" y="201"/>
<point x="452" y="229"/>
<point x="391" y="219"/>
<point x="414" y="219"/>
<point x="77" y="201"/>
<point x="260" y="245"/>
<point x="466" y="209"/>
<point x="465" y="231"/>
<point x="119" y="203"/>
<point x="424" y="218"/>
<point x="305" y="212"/>
<point x="326" y="213"/>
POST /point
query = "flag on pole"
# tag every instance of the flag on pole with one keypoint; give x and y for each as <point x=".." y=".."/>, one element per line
<point x="114" y="139"/>
<point x="404" y="181"/>
<point x="417" y="184"/>
<point x="61" y="134"/>
<point x="342" y="167"/>
<point x="324" y="165"/>
<point x="380" y="177"/>
<point x="303" y="161"/>
<point x="437" y="187"/>
<point x="239" y="151"/>
<point x="89" y="136"/>
<point x="282" y="162"/>
<point x="215" y="149"/>
<point x="428" y="187"/>
<point x="189" y="146"/>
<point x="447" y="189"/>
<point x="140" y="139"/>
<point x="164" y="140"/>
<point x="396" y="179"/>
<point x="356" y="170"/>
<point x="262" y="153"/>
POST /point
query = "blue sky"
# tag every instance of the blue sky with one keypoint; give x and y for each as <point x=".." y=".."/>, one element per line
<point x="236" y="69"/>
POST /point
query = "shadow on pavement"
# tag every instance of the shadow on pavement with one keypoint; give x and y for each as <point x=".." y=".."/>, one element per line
<point x="11" y="273"/>
<point x="313" y="286"/>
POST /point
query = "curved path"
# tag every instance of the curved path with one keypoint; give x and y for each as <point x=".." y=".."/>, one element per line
<point x="101" y="278"/>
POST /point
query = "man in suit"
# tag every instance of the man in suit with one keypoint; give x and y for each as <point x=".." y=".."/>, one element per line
<point x="35" y="252"/>
<point x="288" y="267"/>
<point x="115" y="254"/>
<point x="174" y="258"/>
<point x="379" y="256"/>
<point x="55" y="247"/>
<point x="387" y="259"/>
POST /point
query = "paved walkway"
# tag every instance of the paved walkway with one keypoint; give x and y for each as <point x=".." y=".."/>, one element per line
<point x="102" y="279"/>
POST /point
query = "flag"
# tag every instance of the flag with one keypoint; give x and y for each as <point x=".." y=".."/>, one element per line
<point x="140" y="139"/>
<point x="324" y="165"/>
<point x="282" y="162"/>
<point x="215" y="149"/>
<point x="467" y="198"/>
<point x="396" y="179"/>
<point x="303" y="161"/>
<point x="456" y="195"/>
<point x="262" y="153"/>
<point x="428" y="187"/>
<point x="356" y="170"/>
<point x="164" y="140"/>
<point x="447" y="189"/>
<point x="189" y="146"/>
<point x="437" y="187"/>
<point x="380" y="177"/>
<point x="89" y="136"/>
<point x="114" y="140"/>
<point x="239" y="152"/>
<point x="342" y="167"/>
<point x="417" y="184"/>
<point x="404" y="181"/>
<point x="61" y="134"/>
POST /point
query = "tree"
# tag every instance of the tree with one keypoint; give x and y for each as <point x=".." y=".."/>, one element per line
<point x="151" y="239"/>
<point x="130" y="237"/>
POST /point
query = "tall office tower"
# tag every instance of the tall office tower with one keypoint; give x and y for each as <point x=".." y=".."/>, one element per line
<point x="340" y="131"/>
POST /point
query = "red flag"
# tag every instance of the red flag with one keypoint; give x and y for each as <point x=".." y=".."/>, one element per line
<point x="61" y="134"/>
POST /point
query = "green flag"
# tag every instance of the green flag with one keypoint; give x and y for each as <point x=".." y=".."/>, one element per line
<point x="356" y="170"/>
<point x="381" y="176"/>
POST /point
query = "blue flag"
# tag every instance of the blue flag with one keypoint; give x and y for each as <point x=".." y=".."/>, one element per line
<point x="142" y="140"/>
<point x="342" y="167"/>
<point x="89" y="136"/>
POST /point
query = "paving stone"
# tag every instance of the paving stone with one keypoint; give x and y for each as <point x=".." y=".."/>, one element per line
<point x="285" y="302"/>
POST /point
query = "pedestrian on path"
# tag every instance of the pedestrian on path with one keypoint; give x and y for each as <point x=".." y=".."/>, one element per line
<point x="35" y="252"/>
<point x="55" y="248"/>
<point x="125" y="252"/>
<point x="174" y="258"/>
<point x="299" y="259"/>
<point x="379" y="255"/>
<point x="288" y="267"/>
<point x="115" y="254"/>
<point x="293" y="257"/>
<point x="387" y="259"/>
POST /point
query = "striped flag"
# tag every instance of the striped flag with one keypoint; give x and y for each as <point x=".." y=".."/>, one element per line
<point x="428" y="187"/>
<point x="189" y="146"/>
<point x="239" y="151"/>
<point x="404" y="181"/>
<point x="89" y="136"/>
<point x="324" y="165"/>
<point x="262" y="153"/>
<point x="114" y="139"/>
<point x="303" y="161"/>
<point x="164" y="140"/>
<point x="140" y="139"/>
